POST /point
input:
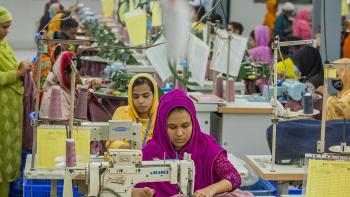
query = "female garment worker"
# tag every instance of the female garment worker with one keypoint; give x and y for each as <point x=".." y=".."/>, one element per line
<point x="11" y="105"/>
<point x="338" y="107"/>
<point x="142" y="107"/>
<point x="177" y="131"/>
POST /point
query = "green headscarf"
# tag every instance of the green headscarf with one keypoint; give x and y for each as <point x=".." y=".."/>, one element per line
<point x="5" y="15"/>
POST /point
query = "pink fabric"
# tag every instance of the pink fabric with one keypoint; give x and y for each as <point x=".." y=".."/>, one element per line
<point x="202" y="147"/>
<point x="224" y="170"/>
<point x="227" y="194"/>
<point x="261" y="53"/>
<point x="301" y="26"/>
<point x="29" y="105"/>
<point x="236" y="194"/>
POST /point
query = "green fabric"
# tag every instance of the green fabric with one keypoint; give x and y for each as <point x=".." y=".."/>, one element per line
<point x="4" y="189"/>
<point x="11" y="114"/>
<point x="5" y="15"/>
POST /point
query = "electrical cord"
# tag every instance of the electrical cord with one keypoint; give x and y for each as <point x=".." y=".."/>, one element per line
<point x="325" y="31"/>
<point x="223" y="12"/>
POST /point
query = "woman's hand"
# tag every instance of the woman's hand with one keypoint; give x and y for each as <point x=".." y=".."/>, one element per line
<point x="142" y="192"/>
<point x="23" y="68"/>
<point x="205" y="192"/>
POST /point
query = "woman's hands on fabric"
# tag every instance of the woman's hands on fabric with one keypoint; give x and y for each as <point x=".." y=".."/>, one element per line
<point x="142" y="192"/>
<point x="23" y="68"/>
<point x="204" y="193"/>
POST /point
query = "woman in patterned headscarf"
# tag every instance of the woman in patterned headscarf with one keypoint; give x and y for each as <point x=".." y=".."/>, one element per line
<point x="11" y="105"/>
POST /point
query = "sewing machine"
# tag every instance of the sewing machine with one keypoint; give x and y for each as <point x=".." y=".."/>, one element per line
<point x="290" y="87"/>
<point x="125" y="169"/>
<point x="116" y="130"/>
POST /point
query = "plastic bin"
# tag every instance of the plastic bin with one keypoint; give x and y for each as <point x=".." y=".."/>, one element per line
<point x="261" y="188"/>
<point x="295" y="191"/>
<point x="16" y="187"/>
<point x="42" y="188"/>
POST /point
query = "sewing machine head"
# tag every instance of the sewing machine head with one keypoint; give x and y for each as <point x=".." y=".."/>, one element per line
<point x="124" y="170"/>
<point x="116" y="130"/>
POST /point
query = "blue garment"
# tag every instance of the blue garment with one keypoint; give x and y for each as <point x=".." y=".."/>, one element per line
<point x="281" y="25"/>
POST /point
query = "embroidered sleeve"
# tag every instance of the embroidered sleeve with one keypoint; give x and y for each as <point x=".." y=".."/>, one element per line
<point x="224" y="170"/>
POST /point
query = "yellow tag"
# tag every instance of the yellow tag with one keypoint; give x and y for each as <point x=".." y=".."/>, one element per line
<point x="330" y="73"/>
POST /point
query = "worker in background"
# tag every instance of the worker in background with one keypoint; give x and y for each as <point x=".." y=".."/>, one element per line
<point x="142" y="107"/>
<point x="56" y="13"/>
<point x="197" y="13"/>
<point x="259" y="45"/>
<point x="47" y="16"/>
<point x="11" y="105"/>
<point x="235" y="27"/>
<point x="309" y="63"/>
<point x="283" y="24"/>
<point x="270" y="16"/>
<point x="177" y="131"/>
<point x="68" y="30"/>
<point x="301" y="24"/>
<point x="338" y="107"/>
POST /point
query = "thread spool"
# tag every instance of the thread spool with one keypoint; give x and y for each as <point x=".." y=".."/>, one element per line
<point x="208" y="72"/>
<point x="55" y="108"/>
<point x="219" y="86"/>
<point x="70" y="153"/>
<point x="80" y="111"/>
<point x="230" y="90"/>
<point x="308" y="107"/>
<point x="158" y="80"/>
<point x="179" y="85"/>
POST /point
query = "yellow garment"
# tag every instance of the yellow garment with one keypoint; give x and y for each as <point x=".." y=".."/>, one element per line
<point x="270" y="16"/>
<point x="199" y="27"/>
<point x="129" y="112"/>
<point x="338" y="107"/>
<point x="290" y="74"/>
<point x="55" y="24"/>
<point x="5" y="15"/>
<point x="346" y="47"/>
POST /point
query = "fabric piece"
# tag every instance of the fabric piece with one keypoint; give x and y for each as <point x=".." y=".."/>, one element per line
<point x="262" y="52"/>
<point x="202" y="147"/>
<point x="29" y="103"/>
<point x="5" y="15"/>
<point x="129" y="112"/>
<point x="11" y="114"/>
<point x="338" y="107"/>
<point x="301" y="26"/>
<point x="309" y="62"/>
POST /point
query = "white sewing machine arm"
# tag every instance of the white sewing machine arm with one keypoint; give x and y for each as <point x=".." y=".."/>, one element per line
<point x="125" y="169"/>
<point x="116" y="130"/>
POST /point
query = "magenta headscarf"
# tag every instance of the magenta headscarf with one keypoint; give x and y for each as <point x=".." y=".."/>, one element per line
<point x="301" y="26"/>
<point x="203" y="147"/>
<point x="262" y="52"/>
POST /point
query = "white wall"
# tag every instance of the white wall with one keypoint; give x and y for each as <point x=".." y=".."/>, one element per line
<point x="27" y="13"/>
<point x="250" y="14"/>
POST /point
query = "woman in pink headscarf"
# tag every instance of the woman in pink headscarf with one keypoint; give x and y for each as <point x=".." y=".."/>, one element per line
<point x="301" y="25"/>
<point x="177" y="131"/>
<point x="260" y="39"/>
